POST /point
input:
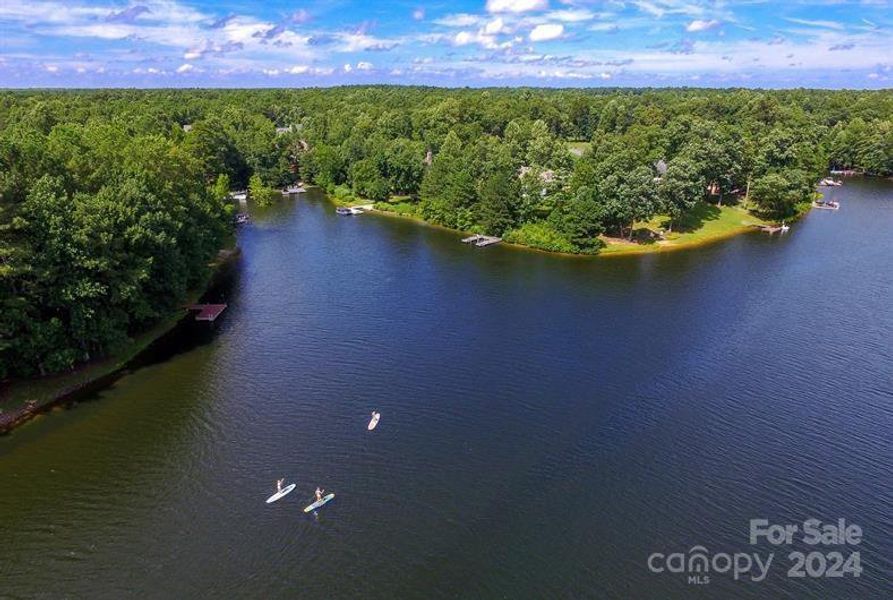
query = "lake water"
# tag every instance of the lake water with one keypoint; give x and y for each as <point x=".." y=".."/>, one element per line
<point x="547" y="423"/>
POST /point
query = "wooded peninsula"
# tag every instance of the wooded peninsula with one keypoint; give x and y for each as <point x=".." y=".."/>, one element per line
<point x="112" y="203"/>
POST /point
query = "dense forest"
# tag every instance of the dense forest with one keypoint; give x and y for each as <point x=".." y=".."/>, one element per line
<point x="112" y="203"/>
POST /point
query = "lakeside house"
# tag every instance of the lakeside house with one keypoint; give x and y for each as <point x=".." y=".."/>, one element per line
<point x="187" y="127"/>
<point x="660" y="167"/>
<point x="546" y="175"/>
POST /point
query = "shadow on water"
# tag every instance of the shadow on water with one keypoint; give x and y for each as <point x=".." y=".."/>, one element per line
<point x="186" y="336"/>
<point x="190" y="334"/>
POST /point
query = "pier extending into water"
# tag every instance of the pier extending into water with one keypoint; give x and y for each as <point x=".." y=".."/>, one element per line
<point x="481" y="241"/>
<point x="208" y="312"/>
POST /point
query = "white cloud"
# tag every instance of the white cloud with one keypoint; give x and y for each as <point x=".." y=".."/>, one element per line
<point x="702" y="25"/>
<point x="497" y="42"/>
<point x="823" y="24"/>
<point x="571" y="15"/>
<point x="359" y="42"/>
<point x="301" y="16"/>
<point x="606" y="27"/>
<point x="549" y="31"/>
<point x="308" y="70"/>
<point x="458" y="20"/>
<point x="495" y="26"/>
<point x="482" y="39"/>
<point x="516" y="6"/>
<point x="463" y="38"/>
<point x="659" y="8"/>
<point x="244" y="29"/>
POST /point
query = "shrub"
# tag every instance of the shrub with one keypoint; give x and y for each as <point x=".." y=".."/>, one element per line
<point x="540" y="235"/>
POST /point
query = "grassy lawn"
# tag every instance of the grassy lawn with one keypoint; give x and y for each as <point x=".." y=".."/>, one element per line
<point x="704" y="224"/>
<point x="400" y="205"/>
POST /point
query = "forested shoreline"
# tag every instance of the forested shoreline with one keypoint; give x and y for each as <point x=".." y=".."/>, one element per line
<point x="113" y="202"/>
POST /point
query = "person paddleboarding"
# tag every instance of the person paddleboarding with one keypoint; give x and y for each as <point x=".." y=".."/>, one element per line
<point x="320" y="500"/>
<point x="281" y="492"/>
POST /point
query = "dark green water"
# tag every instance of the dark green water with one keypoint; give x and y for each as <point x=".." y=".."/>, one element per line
<point x="547" y="423"/>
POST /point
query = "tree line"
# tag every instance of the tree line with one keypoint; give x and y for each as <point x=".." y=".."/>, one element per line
<point x="113" y="202"/>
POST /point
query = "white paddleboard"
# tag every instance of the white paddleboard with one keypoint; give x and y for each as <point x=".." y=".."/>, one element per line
<point x="374" y="422"/>
<point x="319" y="503"/>
<point x="281" y="493"/>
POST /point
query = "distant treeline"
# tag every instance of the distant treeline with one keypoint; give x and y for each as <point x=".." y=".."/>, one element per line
<point x="112" y="202"/>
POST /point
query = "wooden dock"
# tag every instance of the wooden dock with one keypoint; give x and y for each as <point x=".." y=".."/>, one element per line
<point x="481" y="241"/>
<point x="772" y="229"/>
<point x="207" y="312"/>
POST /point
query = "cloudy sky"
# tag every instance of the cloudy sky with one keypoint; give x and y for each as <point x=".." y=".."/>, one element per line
<point x="227" y="43"/>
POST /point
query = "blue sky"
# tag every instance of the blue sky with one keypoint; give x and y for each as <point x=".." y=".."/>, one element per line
<point x="191" y="43"/>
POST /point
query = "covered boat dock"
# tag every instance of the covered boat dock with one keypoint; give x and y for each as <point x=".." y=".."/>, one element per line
<point x="208" y="312"/>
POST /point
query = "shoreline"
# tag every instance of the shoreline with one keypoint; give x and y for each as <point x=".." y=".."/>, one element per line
<point x="24" y="399"/>
<point x="611" y="249"/>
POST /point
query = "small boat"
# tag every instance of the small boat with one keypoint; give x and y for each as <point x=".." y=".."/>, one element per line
<point x="293" y="189"/>
<point x="828" y="182"/>
<point x="348" y="211"/>
<point x="826" y="204"/>
<point x="240" y="196"/>
<point x="784" y="228"/>
<point x="242" y="218"/>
